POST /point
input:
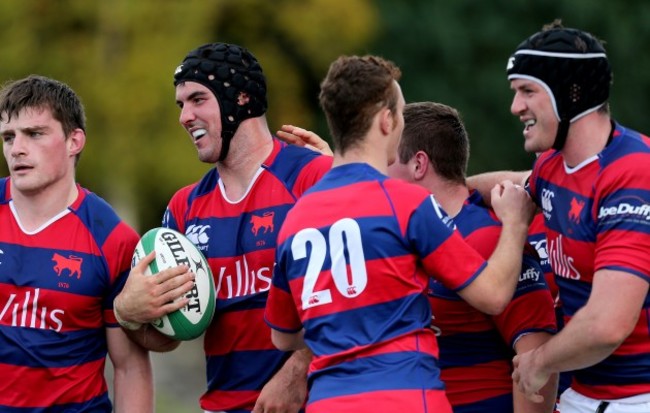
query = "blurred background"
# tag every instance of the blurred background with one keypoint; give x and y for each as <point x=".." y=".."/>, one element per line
<point x="120" y="55"/>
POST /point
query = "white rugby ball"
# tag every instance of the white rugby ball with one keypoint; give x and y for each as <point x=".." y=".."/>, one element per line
<point x="173" y="249"/>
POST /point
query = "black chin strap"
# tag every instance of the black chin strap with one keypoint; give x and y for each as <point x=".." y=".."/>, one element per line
<point x="226" y="137"/>
<point x="562" y="132"/>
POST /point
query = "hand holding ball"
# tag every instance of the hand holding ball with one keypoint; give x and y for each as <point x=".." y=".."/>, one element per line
<point x="174" y="249"/>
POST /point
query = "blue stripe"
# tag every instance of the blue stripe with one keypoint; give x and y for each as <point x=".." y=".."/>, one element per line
<point x="470" y="349"/>
<point x="498" y="404"/>
<point x="617" y="370"/>
<point x="243" y="370"/>
<point x="38" y="270"/>
<point x="575" y="294"/>
<point x="363" y="326"/>
<point x="245" y="302"/>
<point x="80" y="347"/>
<point x="393" y="371"/>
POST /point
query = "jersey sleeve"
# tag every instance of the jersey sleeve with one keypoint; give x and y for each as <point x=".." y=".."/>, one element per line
<point x="444" y="253"/>
<point x="531" y="309"/>
<point x="281" y="313"/>
<point x="118" y="251"/>
<point x="622" y="215"/>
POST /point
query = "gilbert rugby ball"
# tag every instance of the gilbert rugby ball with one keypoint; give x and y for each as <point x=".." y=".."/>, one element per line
<point x="173" y="249"/>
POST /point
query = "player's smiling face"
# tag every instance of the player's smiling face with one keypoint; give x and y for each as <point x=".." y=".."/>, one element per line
<point x="533" y="105"/>
<point x="201" y="117"/>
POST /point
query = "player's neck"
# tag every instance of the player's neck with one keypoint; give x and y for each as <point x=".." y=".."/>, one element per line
<point x="377" y="160"/>
<point x="36" y="208"/>
<point x="587" y="137"/>
<point x="450" y="195"/>
<point x="372" y="150"/>
<point x="248" y="150"/>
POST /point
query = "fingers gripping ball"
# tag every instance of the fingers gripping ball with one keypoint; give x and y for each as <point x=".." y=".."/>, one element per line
<point x="173" y="249"/>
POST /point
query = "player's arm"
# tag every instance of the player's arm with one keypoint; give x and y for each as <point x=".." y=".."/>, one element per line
<point x="295" y="135"/>
<point x="132" y="378"/>
<point x="527" y="343"/>
<point x="492" y="290"/>
<point x="484" y="182"/>
<point x="287" y="389"/>
<point x="592" y="334"/>
<point x="145" y="298"/>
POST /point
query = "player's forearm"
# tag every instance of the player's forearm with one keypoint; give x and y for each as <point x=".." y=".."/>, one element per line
<point x="484" y="182"/>
<point x="133" y="384"/>
<point x="576" y="346"/>
<point x="504" y="265"/>
<point x="548" y="392"/>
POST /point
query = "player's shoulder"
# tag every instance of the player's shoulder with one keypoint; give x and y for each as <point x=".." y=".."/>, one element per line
<point x="628" y="145"/>
<point x="207" y="184"/>
<point x="286" y="158"/>
<point x="101" y="219"/>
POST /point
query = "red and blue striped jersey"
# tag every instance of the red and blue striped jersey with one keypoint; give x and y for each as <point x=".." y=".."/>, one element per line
<point x="476" y="349"/>
<point x="238" y="238"/>
<point x="57" y="286"/>
<point x="537" y="238"/>
<point x="597" y="216"/>
<point x="352" y="269"/>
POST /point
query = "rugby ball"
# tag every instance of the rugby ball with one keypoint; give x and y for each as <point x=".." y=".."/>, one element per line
<point x="173" y="249"/>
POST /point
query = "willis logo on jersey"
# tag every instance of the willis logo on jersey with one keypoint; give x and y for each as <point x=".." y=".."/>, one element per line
<point x="23" y="310"/>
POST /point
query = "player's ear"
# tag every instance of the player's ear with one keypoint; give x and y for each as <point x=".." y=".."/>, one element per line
<point x="76" y="141"/>
<point x="386" y="120"/>
<point x="420" y="165"/>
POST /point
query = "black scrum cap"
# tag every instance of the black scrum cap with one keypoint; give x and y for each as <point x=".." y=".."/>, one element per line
<point x="227" y="70"/>
<point x="571" y="65"/>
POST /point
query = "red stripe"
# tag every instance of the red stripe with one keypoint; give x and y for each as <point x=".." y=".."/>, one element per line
<point x="382" y="287"/>
<point x="406" y="401"/>
<point x="31" y="387"/>
<point x="479" y="382"/>
<point x="226" y="334"/>
<point x="43" y="309"/>
<point x="227" y="400"/>
<point x="410" y="342"/>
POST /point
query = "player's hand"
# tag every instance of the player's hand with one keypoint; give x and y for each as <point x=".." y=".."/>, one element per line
<point x="281" y="394"/>
<point x="146" y="298"/>
<point x="302" y="137"/>
<point x="287" y="390"/>
<point x="528" y="377"/>
<point x="512" y="203"/>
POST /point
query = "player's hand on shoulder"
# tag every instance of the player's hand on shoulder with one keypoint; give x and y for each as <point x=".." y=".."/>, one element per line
<point x="145" y="298"/>
<point x="512" y="203"/>
<point x="295" y="135"/>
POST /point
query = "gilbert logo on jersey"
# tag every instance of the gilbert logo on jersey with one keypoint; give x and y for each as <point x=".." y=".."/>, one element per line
<point x="70" y="264"/>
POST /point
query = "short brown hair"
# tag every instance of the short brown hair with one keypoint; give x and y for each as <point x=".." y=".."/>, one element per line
<point x="353" y="91"/>
<point x="43" y="93"/>
<point x="438" y="131"/>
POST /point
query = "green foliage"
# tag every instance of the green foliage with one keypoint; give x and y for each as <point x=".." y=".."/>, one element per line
<point x="456" y="53"/>
<point x="119" y="56"/>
